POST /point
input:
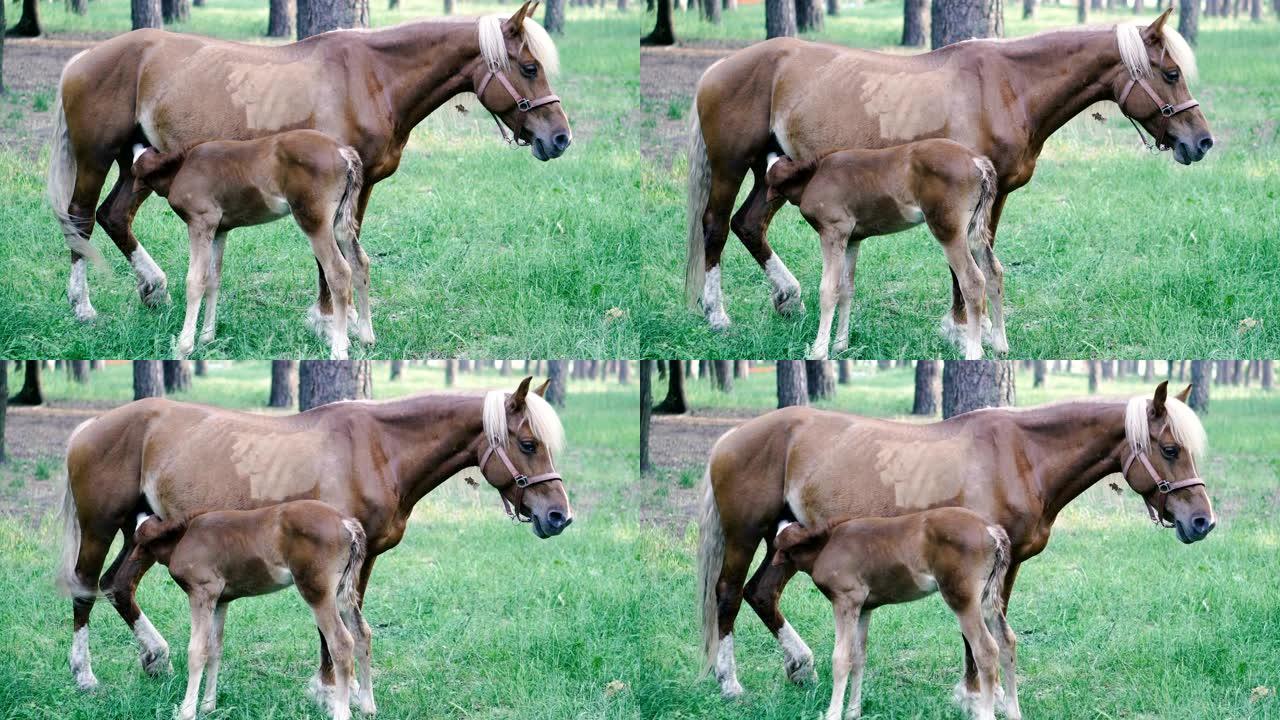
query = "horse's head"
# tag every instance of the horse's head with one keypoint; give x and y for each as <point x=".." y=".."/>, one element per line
<point x="1163" y="439"/>
<point x="1153" y="92"/>
<point x="518" y="59"/>
<point x="523" y="434"/>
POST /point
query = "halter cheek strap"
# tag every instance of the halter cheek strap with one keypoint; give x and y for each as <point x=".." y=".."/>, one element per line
<point x="523" y="104"/>
<point x="518" y="479"/>
<point x="1162" y="486"/>
<point x="1167" y="110"/>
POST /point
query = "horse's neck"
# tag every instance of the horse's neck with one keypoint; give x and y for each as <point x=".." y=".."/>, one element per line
<point x="1070" y="448"/>
<point x="427" y="440"/>
<point x="422" y="65"/>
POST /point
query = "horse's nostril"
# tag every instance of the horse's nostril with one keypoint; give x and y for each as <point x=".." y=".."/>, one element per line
<point x="561" y="141"/>
<point x="1206" y="142"/>
<point x="556" y="519"/>
<point x="1200" y="524"/>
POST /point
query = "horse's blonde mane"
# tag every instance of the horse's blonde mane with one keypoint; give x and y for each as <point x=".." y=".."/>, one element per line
<point x="1133" y="51"/>
<point x="1183" y="423"/>
<point x="493" y="46"/>
<point x="544" y="423"/>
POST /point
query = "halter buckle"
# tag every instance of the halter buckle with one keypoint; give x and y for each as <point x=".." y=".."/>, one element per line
<point x="1167" y="110"/>
<point x="522" y="481"/>
<point x="1164" y="486"/>
<point x="523" y="104"/>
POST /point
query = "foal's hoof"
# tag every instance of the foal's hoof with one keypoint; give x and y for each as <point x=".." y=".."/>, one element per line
<point x="156" y="661"/>
<point x="787" y="301"/>
<point x="800" y="670"/>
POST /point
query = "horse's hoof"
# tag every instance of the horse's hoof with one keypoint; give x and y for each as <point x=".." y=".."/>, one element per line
<point x="84" y="312"/>
<point x="787" y="301"/>
<point x="800" y="670"/>
<point x="86" y="682"/>
<point x="156" y="662"/>
<point x="840" y="346"/>
<point x="207" y="336"/>
<point x="731" y="691"/>
<point x="208" y="706"/>
<point x="367" y="706"/>
<point x="155" y="292"/>
<point x="321" y="693"/>
<point x="718" y="320"/>
<point x="817" y="355"/>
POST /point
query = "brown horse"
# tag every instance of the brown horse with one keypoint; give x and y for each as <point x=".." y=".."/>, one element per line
<point x="224" y="555"/>
<point x="372" y="461"/>
<point x="366" y="89"/>
<point x="1001" y="98"/>
<point x="860" y="565"/>
<point x="1016" y="468"/>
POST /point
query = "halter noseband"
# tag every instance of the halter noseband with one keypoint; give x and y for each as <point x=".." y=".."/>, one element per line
<point x="1167" y="110"/>
<point x="518" y="479"/>
<point x="1164" y="487"/>
<point x="523" y="104"/>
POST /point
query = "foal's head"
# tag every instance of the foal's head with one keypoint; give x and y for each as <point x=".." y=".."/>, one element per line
<point x="158" y="538"/>
<point x="1167" y="433"/>
<point x="525" y="430"/>
<point x="155" y="170"/>
<point x="800" y="545"/>
<point x="513" y="81"/>
<point x="1159" y="57"/>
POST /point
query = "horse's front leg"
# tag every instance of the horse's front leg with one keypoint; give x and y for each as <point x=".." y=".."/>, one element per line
<point x="834" y="241"/>
<point x="846" y="294"/>
<point x="751" y="225"/>
<point x="120" y="586"/>
<point x="115" y="215"/>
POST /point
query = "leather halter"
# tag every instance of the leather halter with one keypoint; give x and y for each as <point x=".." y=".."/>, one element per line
<point x="1167" y="110"/>
<point x="518" y="479"/>
<point x="1162" y="486"/>
<point x="523" y="104"/>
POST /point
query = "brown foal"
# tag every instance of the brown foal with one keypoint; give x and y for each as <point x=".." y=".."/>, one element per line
<point x="218" y="186"/>
<point x="850" y="195"/>
<point x="220" y="556"/>
<point x="860" y="565"/>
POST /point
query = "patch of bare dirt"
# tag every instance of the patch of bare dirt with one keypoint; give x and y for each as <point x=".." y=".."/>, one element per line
<point x="32" y="67"/>
<point x="35" y="441"/>
<point x="667" y="79"/>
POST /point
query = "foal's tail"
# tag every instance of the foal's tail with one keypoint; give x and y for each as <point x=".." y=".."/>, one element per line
<point x="710" y="561"/>
<point x="993" y="591"/>
<point x="980" y="222"/>
<point x="67" y="581"/>
<point x="348" y="594"/>
<point x="699" y="191"/>
<point x="60" y="181"/>
<point x="345" y="224"/>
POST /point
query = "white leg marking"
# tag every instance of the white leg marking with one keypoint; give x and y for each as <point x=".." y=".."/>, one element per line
<point x="769" y="160"/>
<point x="726" y="669"/>
<point x="799" y="658"/>
<point x="152" y="283"/>
<point x="153" y="650"/>
<point x="78" y="291"/>
<point x="786" y="289"/>
<point x="713" y="300"/>
<point x="81" y="667"/>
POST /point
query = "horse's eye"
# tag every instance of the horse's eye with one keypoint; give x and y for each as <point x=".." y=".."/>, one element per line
<point x="1171" y="76"/>
<point x="1170" y="451"/>
<point x="529" y="71"/>
<point x="528" y="447"/>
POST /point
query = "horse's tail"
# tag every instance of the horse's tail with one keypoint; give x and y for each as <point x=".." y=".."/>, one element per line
<point x="699" y="191"/>
<point x="980" y="223"/>
<point x="346" y="226"/>
<point x="993" y="591"/>
<point x="348" y="593"/>
<point x="710" y="561"/>
<point x="67" y="582"/>
<point x="60" y="181"/>
<point x="788" y="177"/>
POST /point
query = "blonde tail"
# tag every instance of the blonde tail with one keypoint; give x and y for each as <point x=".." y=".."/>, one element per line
<point x="60" y="181"/>
<point x="699" y="192"/>
<point x="348" y="594"/>
<point x="710" y="561"/>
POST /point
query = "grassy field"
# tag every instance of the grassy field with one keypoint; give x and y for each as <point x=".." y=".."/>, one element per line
<point x="1109" y="252"/>
<point x="477" y="249"/>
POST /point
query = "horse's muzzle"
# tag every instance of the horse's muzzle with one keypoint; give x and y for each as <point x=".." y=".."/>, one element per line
<point x="551" y="525"/>
<point x="1195" y="530"/>
<point x="553" y="148"/>
<point x="1189" y="152"/>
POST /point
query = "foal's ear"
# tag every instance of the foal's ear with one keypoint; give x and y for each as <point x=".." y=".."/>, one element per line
<point x="1155" y="30"/>
<point x="516" y="402"/>
<point x="1184" y="395"/>
<point x="515" y="24"/>
<point x="1157" y="402"/>
<point x="541" y="390"/>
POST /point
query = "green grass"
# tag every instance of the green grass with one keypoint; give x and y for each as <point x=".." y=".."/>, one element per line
<point x="477" y="249"/>
<point x="1109" y="252"/>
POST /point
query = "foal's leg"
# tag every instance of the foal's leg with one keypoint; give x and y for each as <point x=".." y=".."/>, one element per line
<point x="846" y="657"/>
<point x="751" y="225"/>
<point x="116" y="217"/>
<point x="846" y="294"/>
<point x="202" y="604"/>
<point x="834" y="240"/>
<point x="318" y="227"/>
<point x="994" y="272"/>
<point x="215" y="659"/>
<point x="985" y="655"/>
<point x="957" y="318"/>
<point x="212" y="284"/>
<point x="359" y="262"/>
<point x="340" y="645"/>
<point x="972" y="285"/>
<point x="200" y="236"/>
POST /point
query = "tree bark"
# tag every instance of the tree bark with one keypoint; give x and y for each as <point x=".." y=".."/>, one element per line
<point x="146" y="14"/>
<point x="79" y="7"/>
<point x="820" y="379"/>
<point x="1199" y="400"/>
<point x="1255" y="10"/>
<point x="1082" y="11"/>
<point x="724" y="375"/>
<point x="201" y="368"/>
<point x="1188" y="19"/>
<point x="556" y="391"/>
<point x="148" y="379"/>
<point x="319" y="16"/>
<point x="711" y="10"/>
<point x="792" y="383"/>
<point x="553" y="17"/>
<point x="284" y="377"/>
<point x="833" y="7"/>
<point x="624" y="372"/>
<point x="915" y="23"/>
<point x="28" y="24"/>
<point x="79" y="371"/>
<point x="1029" y="9"/>
<point x="321" y="382"/>
<point x="954" y="20"/>
<point x="1267" y="374"/>
<point x="397" y="370"/>
<point x="1093" y="376"/>
<point x="646" y="412"/>
<point x="926" y="399"/>
<point x="809" y="15"/>
<point x="970" y="385"/>
<point x="448" y="7"/>
<point x="450" y="372"/>
<point x="31" y="392"/>
<point x="663" y="31"/>
<point x="1037" y="369"/>
<point x="175" y="11"/>
<point x="177" y="376"/>
<point x="674" y="403"/>
<point x="1006" y="375"/>
<point x="844" y="372"/>
<point x="779" y="18"/>
<point x="280" y="18"/>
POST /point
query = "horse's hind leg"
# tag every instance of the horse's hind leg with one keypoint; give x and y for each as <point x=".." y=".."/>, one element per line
<point x="213" y="282"/>
<point x="91" y="554"/>
<point x="115" y="215"/>
<point x="120" y="586"/>
<point x="79" y="221"/>
<point x="751" y="225"/>
<point x="764" y="592"/>
<point x="733" y="571"/>
<point x="715" y="231"/>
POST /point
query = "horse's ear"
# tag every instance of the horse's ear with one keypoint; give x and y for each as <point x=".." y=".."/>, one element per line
<point x="515" y="23"/>
<point x="1155" y="30"/>
<point x="541" y="390"/>
<point x="1184" y="395"/>
<point x="516" y="402"/>
<point x="1157" y="402"/>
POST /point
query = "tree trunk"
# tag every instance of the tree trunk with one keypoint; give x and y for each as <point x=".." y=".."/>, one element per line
<point x="319" y="16"/>
<point x="724" y="375"/>
<point x="779" y="18"/>
<point x="1138" y="8"/>
<point x="1093" y="376"/>
<point x="175" y="11"/>
<point x="280" y="18"/>
<point x="148" y="379"/>
<point x="146" y="14"/>
<point x="844" y="372"/>
<point x="926" y="400"/>
<point x="284" y="377"/>
<point x="1029" y="9"/>
<point x="31" y="392"/>
<point x="4" y="387"/>
<point x="556" y="391"/>
<point x="1255" y="10"/>
<point x="201" y="368"/>
<point x="79" y="7"/>
<point x="954" y="20"/>
<point x="397" y="370"/>
<point x="646" y="412"/>
<point x="809" y="15"/>
<point x="79" y="371"/>
<point x="448" y="7"/>
<point x="1082" y="11"/>
<point x="1108" y="369"/>
<point x="1199" y="400"/>
<point x="1037" y="370"/>
<point x="833" y="7"/>
<point x="177" y="376"/>
<point x="321" y="382"/>
<point x="820" y="379"/>
<point x="1149" y="371"/>
<point x="29" y="24"/>
<point x="553" y="17"/>
<point x="969" y="385"/>
<point x="450" y="372"/>
<point x="674" y="403"/>
<point x="711" y="10"/>
<point x="624" y="372"/>
<point x="1267" y="371"/>
<point x="915" y="24"/>
<point x="1188" y="19"/>
<point x="792" y="383"/>
<point x="393" y="4"/>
